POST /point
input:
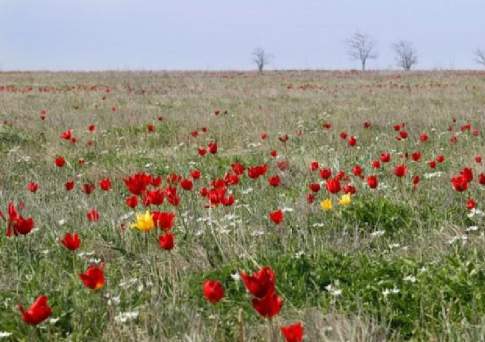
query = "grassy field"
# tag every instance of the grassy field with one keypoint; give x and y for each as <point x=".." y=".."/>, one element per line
<point x="404" y="260"/>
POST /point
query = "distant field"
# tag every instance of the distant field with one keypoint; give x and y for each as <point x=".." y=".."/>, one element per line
<point x="364" y="194"/>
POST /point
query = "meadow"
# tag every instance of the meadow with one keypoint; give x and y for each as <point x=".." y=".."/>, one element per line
<point x="223" y="206"/>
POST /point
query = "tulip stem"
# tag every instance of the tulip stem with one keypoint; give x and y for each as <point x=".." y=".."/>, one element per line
<point x="271" y="332"/>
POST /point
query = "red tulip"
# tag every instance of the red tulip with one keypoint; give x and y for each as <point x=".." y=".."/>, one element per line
<point x="385" y="157"/>
<point x="166" y="241"/>
<point x="195" y="174"/>
<point x="276" y="216"/>
<point x="37" y="312"/>
<point x="16" y="223"/>
<point x="71" y="241"/>
<point x="333" y="185"/>
<point x="314" y="187"/>
<point x="416" y="156"/>
<point x="69" y="185"/>
<point x="481" y="179"/>
<point x="269" y="305"/>
<point x="471" y="203"/>
<point x="432" y="164"/>
<point x="467" y="173"/>
<point x="400" y="170"/>
<point x="274" y="153"/>
<point x="352" y="141"/>
<point x="343" y="135"/>
<point x="164" y="219"/>
<point x="92" y="128"/>
<point x="314" y="165"/>
<point x="32" y="187"/>
<point x="67" y="135"/>
<point x="274" y="181"/>
<point x="310" y="198"/>
<point x="478" y="159"/>
<point x="459" y="183"/>
<point x="212" y="147"/>
<point x="93" y="278"/>
<point x="238" y="168"/>
<point x="187" y="184"/>
<point x="88" y="188"/>
<point x="403" y="134"/>
<point x="138" y="183"/>
<point x="105" y="184"/>
<point x="423" y="137"/>
<point x="372" y="182"/>
<point x="357" y="171"/>
<point x="213" y="291"/>
<point x="132" y="201"/>
<point x="325" y="173"/>
<point x="150" y="128"/>
<point x="93" y="215"/>
<point x="60" y="161"/>
<point x="376" y="164"/>
<point x="260" y="283"/>
<point x="293" y="332"/>
<point x="440" y="158"/>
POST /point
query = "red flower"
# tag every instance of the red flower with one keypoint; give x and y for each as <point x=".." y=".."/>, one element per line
<point x="16" y="223"/>
<point x="131" y="201"/>
<point x="349" y="189"/>
<point x="325" y="173"/>
<point x="459" y="183"/>
<point x="274" y="180"/>
<point x="264" y="136"/>
<point x="257" y="171"/>
<point x="372" y="182"/>
<point x="481" y="178"/>
<point x="60" y="161"/>
<point x="478" y="159"/>
<point x="93" y="215"/>
<point x="314" y="187"/>
<point x="470" y="203"/>
<point x="276" y="216"/>
<point x="212" y="147"/>
<point x="166" y="241"/>
<point x="88" y="188"/>
<point x="195" y="174"/>
<point x="314" y="165"/>
<point x="283" y="138"/>
<point x="385" y="157"/>
<point x="400" y="170"/>
<point x="343" y="135"/>
<point x="71" y="241"/>
<point x="164" y="219"/>
<point x="32" y="187"/>
<point x="423" y="137"/>
<point x="67" y="135"/>
<point x="357" y="171"/>
<point x="202" y="151"/>
<point x="69" y="185"/>
<point x="238" y="168"/>
<point x="416" y="179"/>
<point x="432" y="164"/>
<point x="150" y="128"/>
<point x="269" y="305"/>
<point x="92" y="128"/>
<point x="138" y="182"/>
<point x="186" y="184"/>
<point x="310" y="198"/>
<point x="403" y="134"/>
<point x="105" y="184"/>
<point x="293" y="332"/>
<point x="274" y="153"/>
<point x="416" y="156"/>
<point x="213" y="291"/>
<point x="260" y="283"/>
<point x="352" y="141"/>
<point x="367" y="124"/>
<point x="93" y="278"/>
<point x="333" y="185"/>
<point x="376" y="164"/>
<point x="37" y="312"/>
<point x="467" y="173"/>
<point x="440" y="158"/>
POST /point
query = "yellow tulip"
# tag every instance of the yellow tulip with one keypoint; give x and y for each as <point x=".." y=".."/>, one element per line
<point x="326" y="204"/>
<point x="144" y="222"/>
<point x="345" y="200"/>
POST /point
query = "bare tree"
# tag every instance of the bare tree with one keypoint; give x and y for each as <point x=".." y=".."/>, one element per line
<point x="480" y="57"/>
<point x="361" y="47"/>
<point x="406" y="55"/>
<point x="261" y="58"/>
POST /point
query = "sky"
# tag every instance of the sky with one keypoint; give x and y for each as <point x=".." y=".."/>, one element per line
<point x="221" y="34"/>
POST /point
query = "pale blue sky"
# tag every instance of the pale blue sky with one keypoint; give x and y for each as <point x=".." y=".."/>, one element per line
<point x="220" y="34"/>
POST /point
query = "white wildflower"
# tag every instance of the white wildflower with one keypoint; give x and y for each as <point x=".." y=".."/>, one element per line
<point x="124" y="317"/>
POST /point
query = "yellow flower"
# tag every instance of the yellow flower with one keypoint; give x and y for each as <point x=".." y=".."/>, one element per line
<point x="345" y="200"/>
<point x="326" y="204"/>
<point x="144" y="222"/>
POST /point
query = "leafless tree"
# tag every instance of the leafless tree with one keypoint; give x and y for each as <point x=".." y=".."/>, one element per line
<point x="406" y="55"/>
<point x="361" y="47"/>
<point x="480" y="57"/>
<point x="261" y="58"/>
